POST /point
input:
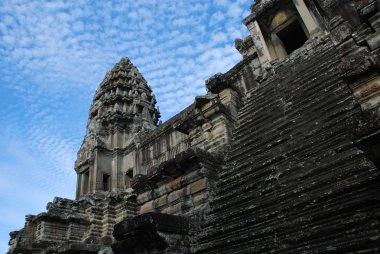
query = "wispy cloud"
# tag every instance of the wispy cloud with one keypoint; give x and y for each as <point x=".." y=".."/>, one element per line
<point x="55" y="53"/>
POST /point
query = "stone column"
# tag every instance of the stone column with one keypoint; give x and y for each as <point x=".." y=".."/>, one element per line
<point x="115" y="173"/>
<point x="259" y="41"/>
<point x="278" y="47"/>
<point x="93" y="174"/>
<point x="83" y="187"/>
<point x="79" y="186"/>
<point x="138" y="162"/>
<point x="306" y="16"/>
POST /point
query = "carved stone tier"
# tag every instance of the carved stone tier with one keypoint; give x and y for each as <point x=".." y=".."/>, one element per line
<point x="74" y="226"/>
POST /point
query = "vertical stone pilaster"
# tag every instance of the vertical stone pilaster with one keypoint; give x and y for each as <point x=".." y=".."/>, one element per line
<point x="93" y="177"/>
<point x="138" y="161"/>
<point x="79" y="186"/>
<point x="115" y="173"/>
<point x="83" y="187"/>
<point x="259" y="41"/>
<point x="278" y="46"/>
<point x="306" y="17"/>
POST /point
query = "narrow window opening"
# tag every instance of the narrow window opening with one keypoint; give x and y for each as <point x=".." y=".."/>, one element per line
<point x="128" y="177"/>
<point x="106" y="182"/>
<point x="292" y="36"/>
<point x="94" y="113"/>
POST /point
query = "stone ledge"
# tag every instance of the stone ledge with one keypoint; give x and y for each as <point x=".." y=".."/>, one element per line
<point x="151" y="232"/>
<point x="261" y="6"/>
<point x="184" y="162"/>
<point x="63" y="218"/>
<point x="159" y="221"/>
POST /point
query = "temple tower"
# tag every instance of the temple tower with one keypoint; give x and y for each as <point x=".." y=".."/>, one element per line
<point x="122" y="109"/>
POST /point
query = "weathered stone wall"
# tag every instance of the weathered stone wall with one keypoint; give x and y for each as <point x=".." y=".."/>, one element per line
<point x="187" y="194"/>
<point x="182" y="196"/>
<point x="164" y="147"/>
<point x="213" y="132"/>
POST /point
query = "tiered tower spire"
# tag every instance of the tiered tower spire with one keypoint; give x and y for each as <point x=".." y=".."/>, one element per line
<point x="123" y="107"/>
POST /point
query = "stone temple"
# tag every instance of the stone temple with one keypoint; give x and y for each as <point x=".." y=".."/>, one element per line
<point x="282" y="155"/>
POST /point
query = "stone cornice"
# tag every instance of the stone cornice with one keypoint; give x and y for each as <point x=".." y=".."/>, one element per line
<point x="198" y="116"/>
<point x="189" y="160"/>
<point x="60" y="217"/>
<point x="166" y="127"/>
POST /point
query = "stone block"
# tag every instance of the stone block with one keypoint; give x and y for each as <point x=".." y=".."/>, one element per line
<point x="174" y="196"/>
<point x="144" y="197"/>
<point x="194" y="142"/>
<point x="191" y="177"/>
<point x="374" y="41"/>
<point x="160" y="191"/>
<point x="206" y="106"/>
<point x="147" y="207"/>
<point x="341" y="33"/>
<point x="206" y="126"/>
<point x="167" y="210"/>
<point x="174" y="185"/>
<point x="200" y="198"/>
<point x="375" y="21"/>
<point x="361" y="33"/>
<point x="347" y="47"/>
<point x="173" y="209"/>
<point x="209" y="113"/>
<point x="368" y="93"/>
<point x="198" y="186"/>
<point x="194" y="132"/>
<point x="207" y="136"/>
<point x="162" y="201"/>
<point x="225" y="96"/>
<point x="176" y="209"/>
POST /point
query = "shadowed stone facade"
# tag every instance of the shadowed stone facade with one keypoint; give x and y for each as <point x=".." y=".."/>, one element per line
<point x="280" y="156"/>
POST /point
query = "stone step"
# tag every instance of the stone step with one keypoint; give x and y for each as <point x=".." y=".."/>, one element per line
<point x="274" y="138"/>
<point x="264" y="92"/>
<point x="293" y="175"/>
<point x="305" y="85"/>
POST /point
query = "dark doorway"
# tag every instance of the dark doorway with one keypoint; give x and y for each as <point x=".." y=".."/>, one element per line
<point x="128" y="177"/>
<point x="106" y="182"/>
<point x="292" y="37"/>
<point x="370" y="144"/>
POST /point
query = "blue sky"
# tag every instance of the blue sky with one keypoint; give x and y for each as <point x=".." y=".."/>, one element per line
<point x="53" y="55"/>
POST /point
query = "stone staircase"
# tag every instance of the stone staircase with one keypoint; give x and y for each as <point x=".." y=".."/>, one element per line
<point x="295" y="182"/>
